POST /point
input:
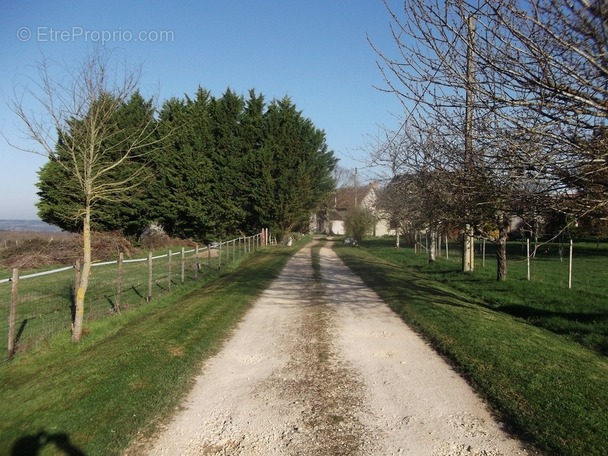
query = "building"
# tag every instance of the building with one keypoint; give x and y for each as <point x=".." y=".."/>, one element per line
<point x="330" y="220"/>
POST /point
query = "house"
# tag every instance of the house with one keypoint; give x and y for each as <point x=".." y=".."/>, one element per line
<point x="330" y="219"/>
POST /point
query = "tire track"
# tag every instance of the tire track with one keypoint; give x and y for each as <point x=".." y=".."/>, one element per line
<point x="320" y="366"/>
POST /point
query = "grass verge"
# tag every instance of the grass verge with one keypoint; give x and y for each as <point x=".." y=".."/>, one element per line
<point x="130" y="371"/>
<point x="551" y="390"/>
<point x="579" y="313"/>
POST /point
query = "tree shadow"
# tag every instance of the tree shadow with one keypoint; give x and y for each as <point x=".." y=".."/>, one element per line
<point x="527" y="312"/>
<point x="32" y="445"/>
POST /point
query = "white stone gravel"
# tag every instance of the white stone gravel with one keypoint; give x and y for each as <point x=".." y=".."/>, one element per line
<point x="324" y="367"/>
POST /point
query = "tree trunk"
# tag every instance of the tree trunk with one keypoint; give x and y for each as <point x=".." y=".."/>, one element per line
<point x="501" y="259"/>
<point x="501" y="250"/>
<point x="432" y="245"/>
<point x="468" y="250"/>
<point x="77" y="325"/>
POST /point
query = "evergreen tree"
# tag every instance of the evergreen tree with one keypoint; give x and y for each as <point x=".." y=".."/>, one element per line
<point x="295" y="168"/>
<point x="253" y="137"/>
<point x="229" y="182"/>
<point x="134" y="121"/>
<point x="181" y="198"/>
<point x="58" y="193"/>
<point x="60" y="200"/>
<point x="218" y="167"/>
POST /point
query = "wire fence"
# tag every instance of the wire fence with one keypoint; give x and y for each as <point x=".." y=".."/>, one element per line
<point x="37" y="306"/>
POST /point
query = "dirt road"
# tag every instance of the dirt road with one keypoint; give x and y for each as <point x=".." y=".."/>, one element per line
<point x="320" y="366"/>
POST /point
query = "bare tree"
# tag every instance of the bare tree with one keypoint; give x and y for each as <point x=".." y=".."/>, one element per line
<point x="73" y="124"/>
<point x="433" y="74"/>
<point x="517" y="89"/>
<point x="421" y="194"/>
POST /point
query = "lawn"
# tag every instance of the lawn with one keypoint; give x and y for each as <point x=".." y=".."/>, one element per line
<point x="579" y="313"/>
<point x="516" y="342"/>
<point x="130" y="370"/>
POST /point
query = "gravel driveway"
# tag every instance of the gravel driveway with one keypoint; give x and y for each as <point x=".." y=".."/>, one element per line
<point x="320" y="366"/>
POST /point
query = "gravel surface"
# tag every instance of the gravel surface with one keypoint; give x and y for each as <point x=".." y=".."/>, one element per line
<point x="320" y="366"/>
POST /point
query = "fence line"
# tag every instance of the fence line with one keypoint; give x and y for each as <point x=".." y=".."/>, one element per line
<point x="38" y="305"/>
<point x="134" y="260"/>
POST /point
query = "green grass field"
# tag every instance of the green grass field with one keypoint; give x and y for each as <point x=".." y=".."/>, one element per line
<point x="579" y="313"/>
<point x="44" y="305"/>
<point x="530" y="348"/>
<point x="130" y="370"/>
<point x="548" y="385"/>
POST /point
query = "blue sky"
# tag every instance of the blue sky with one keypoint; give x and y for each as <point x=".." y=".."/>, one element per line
<point x="314" y="51"/>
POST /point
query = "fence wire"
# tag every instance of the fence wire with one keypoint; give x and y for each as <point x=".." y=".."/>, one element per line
<point x="35" y="307"/>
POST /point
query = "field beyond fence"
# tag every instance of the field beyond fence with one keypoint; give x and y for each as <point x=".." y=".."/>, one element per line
<point x="36" y="306"/>
<point x="563" y="291"/>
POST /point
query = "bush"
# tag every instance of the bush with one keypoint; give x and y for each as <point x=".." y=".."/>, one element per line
<point x="64" y="250"/>
<point x="358" y="222"/>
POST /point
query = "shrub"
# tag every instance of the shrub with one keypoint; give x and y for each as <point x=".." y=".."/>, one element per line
<point x="358" y="222"/>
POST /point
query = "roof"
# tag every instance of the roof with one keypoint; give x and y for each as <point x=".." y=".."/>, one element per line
<point x="346" y="197"/>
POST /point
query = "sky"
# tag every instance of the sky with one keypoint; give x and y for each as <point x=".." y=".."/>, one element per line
<point x="314" y="51"/>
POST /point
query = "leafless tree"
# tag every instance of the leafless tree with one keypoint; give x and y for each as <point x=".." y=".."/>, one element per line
<point x="71" y="122"/>
<point x="518" y="89"/>
<point x="420" y="195"/>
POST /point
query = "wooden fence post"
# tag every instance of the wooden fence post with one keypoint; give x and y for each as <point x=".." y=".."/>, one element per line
<point x="209" y="256"/>
<point x="570" y="267"/>
<point x="183" y="265"/>
<point x="528" y="258"/>
<point x="118" y="284"/>
<point x="169" y="278"/>
<point x="219" y="256"/>
<point x="149" y="298"/>
<point x="196" y="265"/>
<point x="13" y="312"/>
<point x="439" y="241"/>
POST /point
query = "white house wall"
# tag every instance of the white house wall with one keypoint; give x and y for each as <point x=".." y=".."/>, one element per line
<point x="337" y="227"/>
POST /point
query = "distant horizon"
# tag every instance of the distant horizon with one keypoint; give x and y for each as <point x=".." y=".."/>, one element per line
<point x="23" y="220"/>
<point x="27" y="225"/>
